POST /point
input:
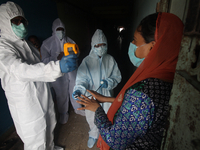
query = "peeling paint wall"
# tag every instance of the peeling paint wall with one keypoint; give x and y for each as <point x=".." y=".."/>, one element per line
<point x="184" y="116"/>
<point x="183" y="132"/>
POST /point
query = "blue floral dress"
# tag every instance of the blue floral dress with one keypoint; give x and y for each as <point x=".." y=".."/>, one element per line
<point x="140" y="121"/>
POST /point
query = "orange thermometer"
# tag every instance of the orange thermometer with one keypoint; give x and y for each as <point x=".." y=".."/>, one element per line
<point x="70" y="48"/>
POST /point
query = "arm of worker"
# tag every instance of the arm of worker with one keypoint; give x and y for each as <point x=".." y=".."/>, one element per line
<point x="14" y="65"/>
<point x="132" y="120"/>
<point x="115" y="77"/>
<point x="82" y="81"/>
<point x="45" y="54"/>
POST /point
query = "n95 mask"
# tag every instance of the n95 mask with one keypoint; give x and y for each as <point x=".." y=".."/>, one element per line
<point x="20" y="30"/>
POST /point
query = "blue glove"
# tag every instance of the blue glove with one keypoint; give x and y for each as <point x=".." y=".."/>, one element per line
<point x="68" y="63"/>
<point x="104" y="83"/>
<point x="75" y="94"/>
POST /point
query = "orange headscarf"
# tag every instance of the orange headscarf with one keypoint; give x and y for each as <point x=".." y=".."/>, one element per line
<point x="160" y="62"/>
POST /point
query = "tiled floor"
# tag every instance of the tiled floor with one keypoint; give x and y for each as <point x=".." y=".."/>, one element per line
<point x="73" y="135"/>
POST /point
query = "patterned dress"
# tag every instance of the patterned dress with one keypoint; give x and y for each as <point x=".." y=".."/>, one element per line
<point x="140" y="121"/>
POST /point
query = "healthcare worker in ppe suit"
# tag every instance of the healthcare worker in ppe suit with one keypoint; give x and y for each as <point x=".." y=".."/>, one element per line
<point x="52" y="49"/>
<point x="24" y="77"/>
<point x="97" y="69"/>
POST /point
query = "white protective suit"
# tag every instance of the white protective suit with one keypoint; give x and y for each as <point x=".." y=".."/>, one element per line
<point x="64" y="85"/>
<point x="92" y="70"/>
<point x="23" y="79"/>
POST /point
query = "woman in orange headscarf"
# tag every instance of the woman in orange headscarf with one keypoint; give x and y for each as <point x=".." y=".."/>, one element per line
<point x="137" y="117"/>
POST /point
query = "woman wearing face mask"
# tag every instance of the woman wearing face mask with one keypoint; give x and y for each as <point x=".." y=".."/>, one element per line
<point x="137" y="116"/>
<point x="98" y="71"/>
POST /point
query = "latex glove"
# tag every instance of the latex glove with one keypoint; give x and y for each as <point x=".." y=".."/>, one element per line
<point x="104" y="84"/>
<point x="75" y="94"/>
<point x="68" y="63"/>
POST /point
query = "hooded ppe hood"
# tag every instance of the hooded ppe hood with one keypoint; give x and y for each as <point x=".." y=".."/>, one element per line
<point x="98" y="38"/>
<point x="9" y="11"/>
<point x="52" y="46"/>
<point x="56" y="24"/>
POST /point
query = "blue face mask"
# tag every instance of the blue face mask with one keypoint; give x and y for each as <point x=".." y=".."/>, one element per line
<point x="131" y="53"/>
<point x="20" y="30"/>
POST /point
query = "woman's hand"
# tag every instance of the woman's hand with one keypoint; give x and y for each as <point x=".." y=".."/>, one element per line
<point x="97" y="96"/>
<point x="90" y="104"/>
<point x="101" y="98"/>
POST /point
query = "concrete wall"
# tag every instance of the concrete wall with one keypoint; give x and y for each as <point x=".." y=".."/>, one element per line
<point x="184" y="121"/>
<point x="79" y="24"/>
<point x="141" y="9"/>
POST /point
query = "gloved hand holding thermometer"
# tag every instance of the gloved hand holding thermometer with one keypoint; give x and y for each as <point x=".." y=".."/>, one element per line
<point x="68" y="62"/>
